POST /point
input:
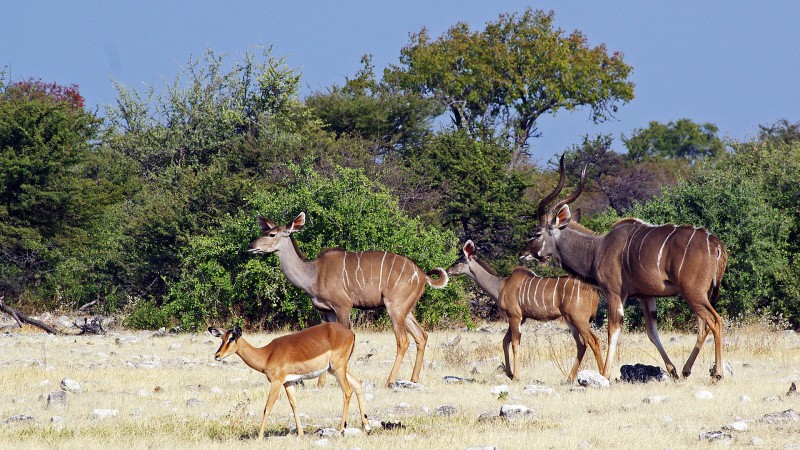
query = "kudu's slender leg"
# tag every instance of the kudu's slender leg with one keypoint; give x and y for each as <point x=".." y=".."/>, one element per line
<point x="615" y="317"/>
<point x="705" y="312"/>
<point x="581" y="346"/>
<point x="702" y="333"/>
<point x="421" y="340"/>
<point x="401" y="336"/>
<point x="650" y="312"/>
<point x="514" y="335"/>
<point x="589" y="338"/>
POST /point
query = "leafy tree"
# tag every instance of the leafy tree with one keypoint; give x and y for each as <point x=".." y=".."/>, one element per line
<point x="220" y="281"/>
<point x="363" y="107"/>
<point x="55" y="186"/>
<point x="499" y="81"/>
<point x="683" y="139"/>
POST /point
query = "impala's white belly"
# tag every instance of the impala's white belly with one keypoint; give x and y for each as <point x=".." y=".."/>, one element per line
<point x="306" y="376"/>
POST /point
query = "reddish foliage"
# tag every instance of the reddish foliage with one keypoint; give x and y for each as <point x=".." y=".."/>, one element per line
<point x="35" y="88"/>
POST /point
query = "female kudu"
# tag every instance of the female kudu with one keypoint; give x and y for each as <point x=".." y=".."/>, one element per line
<point x="637" y="259"/>
<point x="338" y="281"/>
<point x="323" y="348"/>
<point x="524" y="295"/>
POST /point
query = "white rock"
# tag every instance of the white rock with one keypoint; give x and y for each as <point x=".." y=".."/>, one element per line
<point x="351" y="432"/>
<point x="70" y="385"/>
<point x="591" y="378"/>
<point x="102" y="414"/>
<point x="538" y="389"/>
<point x="744" y="399"/>
<point x="703" y="395"/>
<point x="739" y="425"/>
<point x="497" y="390"/>
<point x="655" y="399"/>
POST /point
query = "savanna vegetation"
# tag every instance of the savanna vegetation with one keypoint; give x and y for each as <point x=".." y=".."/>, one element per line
<point x="148" y="208"/>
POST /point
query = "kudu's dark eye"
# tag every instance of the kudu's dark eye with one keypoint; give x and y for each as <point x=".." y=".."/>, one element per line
<point x="273" y="234"/>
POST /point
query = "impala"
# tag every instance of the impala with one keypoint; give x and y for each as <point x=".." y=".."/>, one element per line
<point x="524" y="295"/>
<point x="322" y="348"/>
<point x="338" y="281"/>
<point x="637" y="259"/>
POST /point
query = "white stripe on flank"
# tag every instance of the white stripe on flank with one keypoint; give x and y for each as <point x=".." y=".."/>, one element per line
<point x="391" y="270"/>
<point x="572" y="292"/>
<point x="402" y="269"/>
<point x="535" y="300"/>
<point x="416" y="275"/>
<point x="555" y="291"/>
<point x="685" y="250"/>
<point x="380" y="277"/>
<point x="661" y="250"/>
<point x="579" y="291"/>
<point x="345" y="276"/>
<point x="641" y="243"/>
<point x="363" y="280"/>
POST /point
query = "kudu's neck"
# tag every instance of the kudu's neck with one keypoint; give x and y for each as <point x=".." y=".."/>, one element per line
<point x="487" y="281"/>
<point x="298" y="270"/>
<point x="576" y="252"/>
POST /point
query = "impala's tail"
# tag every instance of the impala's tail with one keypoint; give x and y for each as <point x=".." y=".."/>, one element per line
<point x="441" y="278"/>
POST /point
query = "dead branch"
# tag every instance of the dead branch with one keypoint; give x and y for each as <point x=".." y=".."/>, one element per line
<point x="22" y="318"/>
<point x="93" y="327"/>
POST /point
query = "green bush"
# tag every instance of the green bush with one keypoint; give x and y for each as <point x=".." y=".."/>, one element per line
<point x="146" y="316"/>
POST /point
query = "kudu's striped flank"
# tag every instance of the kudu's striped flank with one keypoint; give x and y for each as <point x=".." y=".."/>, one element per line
<point x="637" y="259"/>
<point x="524" y="295"/>
<point x="338" y="281"/>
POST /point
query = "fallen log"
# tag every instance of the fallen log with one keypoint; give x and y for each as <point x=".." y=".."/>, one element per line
<point x="22" y="318"/>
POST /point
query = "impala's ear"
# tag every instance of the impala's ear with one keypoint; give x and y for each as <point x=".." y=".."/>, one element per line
<point x="469" y="249"/>
<point x="215" y="332"/>
<point x="265" y="224"/>
<point x="562" y="218"/>
<point x="237" y="332"/>
<point x="297" y="223"/>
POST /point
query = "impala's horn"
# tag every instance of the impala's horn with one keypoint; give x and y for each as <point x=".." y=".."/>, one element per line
<point x="541" y="211"/>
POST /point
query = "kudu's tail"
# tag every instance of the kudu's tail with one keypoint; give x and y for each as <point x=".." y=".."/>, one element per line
<point x="441" y="278"/>
<point x="721" y="263"/>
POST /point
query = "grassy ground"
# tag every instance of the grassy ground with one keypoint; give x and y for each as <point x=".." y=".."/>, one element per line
<point x="169" y="393"/>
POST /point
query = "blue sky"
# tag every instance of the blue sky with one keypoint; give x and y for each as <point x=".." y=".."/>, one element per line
<point x="732" y="63"/>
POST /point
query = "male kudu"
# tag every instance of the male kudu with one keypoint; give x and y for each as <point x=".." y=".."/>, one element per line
<point x="524" y="295"/>
<point x="338" y="281"/>
<point x="636" y="259"/>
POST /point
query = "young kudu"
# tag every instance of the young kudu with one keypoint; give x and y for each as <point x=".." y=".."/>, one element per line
<point x="637" y="259"/>
<point x="524" y="295"/>
<point x="338" y="281"/>
<point x="323" y="348"/>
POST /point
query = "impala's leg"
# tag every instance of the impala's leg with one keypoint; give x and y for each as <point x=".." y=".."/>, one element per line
<point x="650" y="310"/>
<point x="579" y="343"/>
<point x="702" y="333"/>
<point x="516" y="334"/>
<point x="356" y="385"/>
<point x="274" y="390"/>
<point x="293" y="402"/>
<point x="615" y="315"/>
<point x="341" y="375"/>
<point x="421" y="339"/>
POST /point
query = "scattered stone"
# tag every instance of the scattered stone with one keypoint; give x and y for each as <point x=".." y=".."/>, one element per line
<point x="175" y="346"/>
<point x="756" y="441"/>
<point x="538" y="389"/>
<point x="716" y="436"/>
<point x="703" y="395"/>
<point x="727" y="370"/>
<point x="642" y="373"/>
<point x="591" y="378"/>
<point x="781" y="417"/>
<point x="577" y="389"/>
<point x="792" y="392"/>
<point x="487" y="417"/>
<point x="19" y="418"/>
<point x="328" y="432"/>
<point x="666" y="419"/>
<point x="744" y="399"/>
<point x="393" y="425"/>
<point x="655" y="399"/>
<point x="57" y="399"/>
<point x="407" y="386"/>
<point x="772" y="398"/>
<point x="446" y="410"/>
<point x="484" y="447"/>
<point x="450" y="379"/>
<point x="352" y="432"/>
<point x="57" y="419"/>
<point x="497" y="390"/>
<point x="739" y="425"/>
<point x="102" y="414"/>
<point x="195" y="402"/>
<point x="70" y="385"/>
<point x="514" y="411"/>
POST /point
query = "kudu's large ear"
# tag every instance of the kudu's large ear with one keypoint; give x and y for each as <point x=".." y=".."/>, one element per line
<point x="562" y="218"/>
<point x="469" y="249"/>
<point x="297" y="223"/>
<point x="265" y="224"/>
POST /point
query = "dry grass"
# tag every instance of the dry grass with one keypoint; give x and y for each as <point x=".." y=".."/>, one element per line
<point x="152" y="381"/>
